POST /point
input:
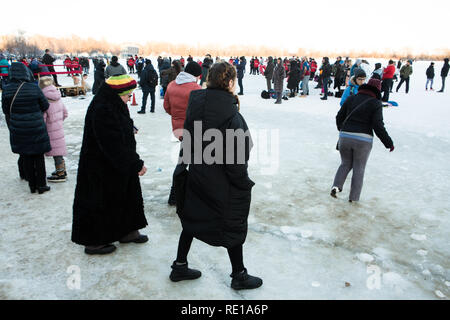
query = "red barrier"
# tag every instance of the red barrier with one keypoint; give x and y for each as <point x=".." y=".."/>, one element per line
<point x="80" y="71"/>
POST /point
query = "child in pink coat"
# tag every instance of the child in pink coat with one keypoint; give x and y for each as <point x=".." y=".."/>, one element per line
<point x="54" y="118"/>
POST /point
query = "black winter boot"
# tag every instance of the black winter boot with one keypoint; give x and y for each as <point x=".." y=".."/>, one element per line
<point x="182" y="272"/>
<point x="243" y="280"/>
<point x="172" y="198"/>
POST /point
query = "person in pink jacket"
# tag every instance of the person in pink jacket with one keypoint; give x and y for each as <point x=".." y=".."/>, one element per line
<point x="176" y="102"/>
<point x="54" y="118"/>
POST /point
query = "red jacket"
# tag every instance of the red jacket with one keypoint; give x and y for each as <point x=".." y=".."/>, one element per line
<point x="256" y="63"/>
<point x="388" y="72"/>
<point x="176" y="102"/>
<point x="313" y="66"/>
<point x="131" y="62"/>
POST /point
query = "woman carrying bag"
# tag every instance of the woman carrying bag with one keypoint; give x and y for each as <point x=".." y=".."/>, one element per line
<point x="23" y="104"/>
<point x="357" y="119"/>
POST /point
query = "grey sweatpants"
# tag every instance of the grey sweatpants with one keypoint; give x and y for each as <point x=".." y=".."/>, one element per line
<point x="269" y="84"/>
<point x="354" y="155"/>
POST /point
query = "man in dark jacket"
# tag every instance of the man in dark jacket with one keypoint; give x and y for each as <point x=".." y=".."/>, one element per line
<point x="108" y="204"/>
<point x="148" y="82"/>
<point x="240" y="74"/>
<point x="207" y="63"/>
<point x="279" y="74"/>
<point x="268" y="73"/>
<point x="326" y="74"/>
<point x="444" y="74"/>
<point x="23" y="104"/>
<point x="405" y="73"/>
<point x="47" y="59"/>
<point x="430" y="76"/>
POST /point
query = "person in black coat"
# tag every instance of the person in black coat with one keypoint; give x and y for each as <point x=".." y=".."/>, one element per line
<point x="148" y="82"/>
<point x="240" y="67"/>
<point x="294" y="78"/>
<point x="444" y="73"/>
<point x="108" y="204"/>
<point x="430" y="76"/>
<point x="47" y="59"/>
<point x="326" y="74"/>
<point x="99" y="76"/>
<point x="23" y="103"/>
<point x="357" y="119"/>
<point x="207" y="63"/>
<point x="268" y="73"/>
<point x="214" y="202"/>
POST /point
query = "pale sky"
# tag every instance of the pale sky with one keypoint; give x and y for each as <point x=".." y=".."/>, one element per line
<point x="323" y="24"/>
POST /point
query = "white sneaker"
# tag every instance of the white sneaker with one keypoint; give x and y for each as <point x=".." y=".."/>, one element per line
<point x="333" y="192"/>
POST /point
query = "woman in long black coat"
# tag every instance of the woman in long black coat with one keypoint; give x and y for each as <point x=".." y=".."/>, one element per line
<point x="108" y="204"/>
<point x="99" y="76"/>
<point x="294" y="78"/>
<point x="28" y="132"/>
<point x="215" y="202"/>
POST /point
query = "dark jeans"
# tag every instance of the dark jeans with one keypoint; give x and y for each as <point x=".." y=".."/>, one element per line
<point x="235" y="253"/>
<point x="443" y="84"/>
<point x="401" y="82"/>
<point x="145" y="97"/>
<point x="241" y="87"/>
<point x="385" y="87"/>
<point x="325" y="87"/>
<point x="35" y="170"/>
<point x="269" y="84"/>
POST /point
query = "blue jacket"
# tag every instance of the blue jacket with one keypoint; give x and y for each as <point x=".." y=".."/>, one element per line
<point x="351" y="90"/>
<point x="4" y="62"/>
<point x="28" y="132"/>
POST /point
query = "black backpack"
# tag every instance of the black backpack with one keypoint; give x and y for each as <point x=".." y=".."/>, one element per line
<point x="153" y="79"/>
<point x="265" y="94"/>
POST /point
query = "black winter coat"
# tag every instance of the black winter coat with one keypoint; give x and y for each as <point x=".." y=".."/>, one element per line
<point x="108" y="200"/>
<point x="149" y="78"/>
<point x="27" y="130"/>
<point x="368" y="117"/>
<point x="444" y="70"/>
<point x="430" y="72"/>
<point x="99" y="78"/>
<point x="240" y="69"/>
<point x="48" y="59"/>
<point x="326" y="70"/>
<point x="294" y="76"/>
<point x="218" y="196"/>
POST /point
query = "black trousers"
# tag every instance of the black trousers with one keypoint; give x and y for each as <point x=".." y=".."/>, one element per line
<point x="145" y="94"/>
<point x="21" y="165"/>
<point x="235" y="254"/>
<point x="34" y="166"/>
<point x="241" y="86"/>
<point x="385" y="87"/>
<point x="443" y="84"/>
<point x="401" y="82"/>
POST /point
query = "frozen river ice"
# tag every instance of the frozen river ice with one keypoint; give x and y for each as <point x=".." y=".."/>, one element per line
<point x="304" y="244"/>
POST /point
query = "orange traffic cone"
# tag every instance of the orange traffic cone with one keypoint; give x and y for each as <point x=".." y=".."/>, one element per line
<point x="134" y="101"/>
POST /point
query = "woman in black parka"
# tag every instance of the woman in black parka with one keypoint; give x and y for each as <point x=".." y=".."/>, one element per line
<point x="99" y="76"/>
<point x="215" y="203"/>
<point x="108" y="204"/>
<point x="28" y="132"/>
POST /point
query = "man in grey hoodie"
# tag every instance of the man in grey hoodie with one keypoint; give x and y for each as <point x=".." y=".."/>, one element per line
<point x="114" y="68"/>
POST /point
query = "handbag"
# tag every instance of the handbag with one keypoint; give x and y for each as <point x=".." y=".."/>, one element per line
<point x="348" y="117"/>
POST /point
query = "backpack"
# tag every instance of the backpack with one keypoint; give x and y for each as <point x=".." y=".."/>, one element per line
<point x="153" y="79"/>
<point x="265" y="94"/>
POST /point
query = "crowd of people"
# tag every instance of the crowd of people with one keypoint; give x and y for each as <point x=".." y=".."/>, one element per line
<point x="193" y="91"/>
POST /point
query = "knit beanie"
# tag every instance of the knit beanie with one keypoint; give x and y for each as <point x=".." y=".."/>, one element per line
<point x="375" y="83"/>
<point x="123" y="84"/>
<point x="193" y="68"/>
<point x="360" y="73"/>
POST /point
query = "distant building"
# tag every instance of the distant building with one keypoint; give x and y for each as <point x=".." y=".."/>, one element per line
<point x="129" y="51"/>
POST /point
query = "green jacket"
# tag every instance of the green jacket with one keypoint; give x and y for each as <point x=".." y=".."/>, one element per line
<point x="406" y="71"/>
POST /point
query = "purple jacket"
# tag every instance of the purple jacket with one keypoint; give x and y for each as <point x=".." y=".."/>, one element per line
<point x="54" y="118"/>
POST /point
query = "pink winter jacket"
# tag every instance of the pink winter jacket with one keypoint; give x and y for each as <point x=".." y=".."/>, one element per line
<point x="54" y="117"/>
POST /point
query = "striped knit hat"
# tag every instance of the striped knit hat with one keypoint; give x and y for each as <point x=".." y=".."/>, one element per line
<point x="123" y="84"/>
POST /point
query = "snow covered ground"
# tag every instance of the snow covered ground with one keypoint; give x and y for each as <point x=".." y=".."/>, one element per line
<point x="394" y="244"/>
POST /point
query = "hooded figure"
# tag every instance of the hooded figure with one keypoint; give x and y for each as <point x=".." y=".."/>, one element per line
<point x="108" y="204"/>
<point x="99" y="76"/>
<point x="294" y="77"/>
<point x="27" y="129"/>
<point x="114" y="68"/>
